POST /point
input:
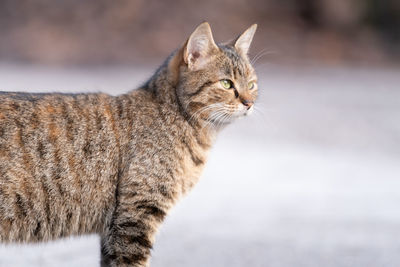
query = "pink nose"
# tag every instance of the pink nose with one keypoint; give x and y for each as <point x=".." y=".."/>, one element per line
<point x="247" y="103"/>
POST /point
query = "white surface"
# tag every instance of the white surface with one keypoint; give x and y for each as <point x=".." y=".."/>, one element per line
<point x="313" y="180"/>
<point x="78" y="251"/>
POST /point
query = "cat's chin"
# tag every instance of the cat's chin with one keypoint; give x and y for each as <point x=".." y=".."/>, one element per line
<point x="243" y="113"/>
<point x="249" y="111"/>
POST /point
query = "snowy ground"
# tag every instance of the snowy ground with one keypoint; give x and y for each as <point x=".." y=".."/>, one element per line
<point x="313" y="179"/>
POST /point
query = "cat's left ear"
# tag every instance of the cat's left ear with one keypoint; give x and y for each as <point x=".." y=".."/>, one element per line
<point x="200" y="47"/>
<point x="242" y="43"/>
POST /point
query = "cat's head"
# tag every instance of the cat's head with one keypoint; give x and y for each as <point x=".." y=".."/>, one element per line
<point x="217" y="82"/>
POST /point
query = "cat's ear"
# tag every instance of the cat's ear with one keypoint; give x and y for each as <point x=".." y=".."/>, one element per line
<point x="199" y="47"/>
<point x="242" y="43"/>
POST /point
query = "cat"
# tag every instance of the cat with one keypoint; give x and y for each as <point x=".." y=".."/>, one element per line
<point x="73" y="164"/>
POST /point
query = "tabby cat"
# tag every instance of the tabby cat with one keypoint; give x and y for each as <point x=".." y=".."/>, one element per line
<point x="73" y="164"/>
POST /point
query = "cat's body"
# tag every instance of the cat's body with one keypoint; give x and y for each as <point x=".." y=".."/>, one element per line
<point x="94" y="163"/>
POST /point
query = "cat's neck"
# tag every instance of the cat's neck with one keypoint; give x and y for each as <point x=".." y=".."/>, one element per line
<point x="162" y="85"/>
<point x="164" y="81"/>
<point x="162" y="88"/>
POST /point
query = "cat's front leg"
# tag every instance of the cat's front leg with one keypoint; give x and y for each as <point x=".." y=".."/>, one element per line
<point x="130" y="236"/>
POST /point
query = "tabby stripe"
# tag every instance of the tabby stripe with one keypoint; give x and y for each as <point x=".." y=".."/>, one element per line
<point x="110" y="116"/>
<point x="129" y="110"/>
<point x="87" y="146"/>
<point x="35" y="119"/>
<point x="137" y="225"/>
<point x="40" y="149"/>
<point x="239" y="70"/>
<point x="37" y="230"/>
<point x="58" y="169"/>
<point x="69" y="122"/>
<point x="50" y="170"/>
<point x="20" y="205"/>
<point x="99" y="120"/>
<point x="120" y="107"/>
<point x="41" y="152"/>
<point x="201" y="88"/>
<point x="164" y="190"/>
<point x="69" y="132"/>
<point x="153" y="210"/>
<point x="135" y="258"/>
<point x="234" y="71"/>
<point x="26" y="160"/>
<point x="127" y="260"/>
<point x="141" y="239"/>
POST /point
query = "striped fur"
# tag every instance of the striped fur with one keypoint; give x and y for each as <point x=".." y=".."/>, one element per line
<point x="73" y="164"/>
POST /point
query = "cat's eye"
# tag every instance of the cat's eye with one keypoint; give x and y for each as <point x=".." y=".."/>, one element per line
<point x="251" y="85"/>
<point x="226" y="84"/>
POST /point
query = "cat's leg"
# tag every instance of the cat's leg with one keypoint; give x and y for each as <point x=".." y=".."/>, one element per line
<point x="131" y="234"/>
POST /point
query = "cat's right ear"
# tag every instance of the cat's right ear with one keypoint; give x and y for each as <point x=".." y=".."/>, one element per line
<point x="199" y="47"/>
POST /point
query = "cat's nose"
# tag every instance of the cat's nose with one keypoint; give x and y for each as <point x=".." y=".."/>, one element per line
<point x="247" y="103"/>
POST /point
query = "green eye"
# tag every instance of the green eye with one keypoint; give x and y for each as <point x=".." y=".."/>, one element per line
<point x="250" y="85"/>
<point x="227" y="84"/>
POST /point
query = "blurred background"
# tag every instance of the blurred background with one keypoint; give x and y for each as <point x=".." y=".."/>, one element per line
<point x="128" y="31"/>
<point x="311" y="179"/>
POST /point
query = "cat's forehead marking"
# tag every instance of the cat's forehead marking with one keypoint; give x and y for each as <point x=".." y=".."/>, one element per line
<point x="236" y="67"/>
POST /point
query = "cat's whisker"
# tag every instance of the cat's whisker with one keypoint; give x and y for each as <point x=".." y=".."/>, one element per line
<point x="263" y="52"/>
<point x="257" y="55"/>
<point x="258" y="109"/>
<point x="211" y="106"/>
<point x="227" y="118"/>
<point x="216" y="114"/>
<point x="223" y="119"/>
<point x="214" y="118"/>
<point x="209" y="121"/>
<point x="198" y="113"/>
<point x="208" y="124"/>
<point x="203" y="109"/>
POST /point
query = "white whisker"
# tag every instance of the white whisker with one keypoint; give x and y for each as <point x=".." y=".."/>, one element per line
<point x="260" y="54"/>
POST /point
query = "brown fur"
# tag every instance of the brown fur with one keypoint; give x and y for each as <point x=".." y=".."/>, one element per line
<point x="94" y="163"/>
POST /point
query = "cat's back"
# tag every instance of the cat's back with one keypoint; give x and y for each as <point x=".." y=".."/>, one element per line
<point x="58" y="164"/>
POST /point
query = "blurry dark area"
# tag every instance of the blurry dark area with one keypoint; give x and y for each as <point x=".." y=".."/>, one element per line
<point x="69" y="32"/>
